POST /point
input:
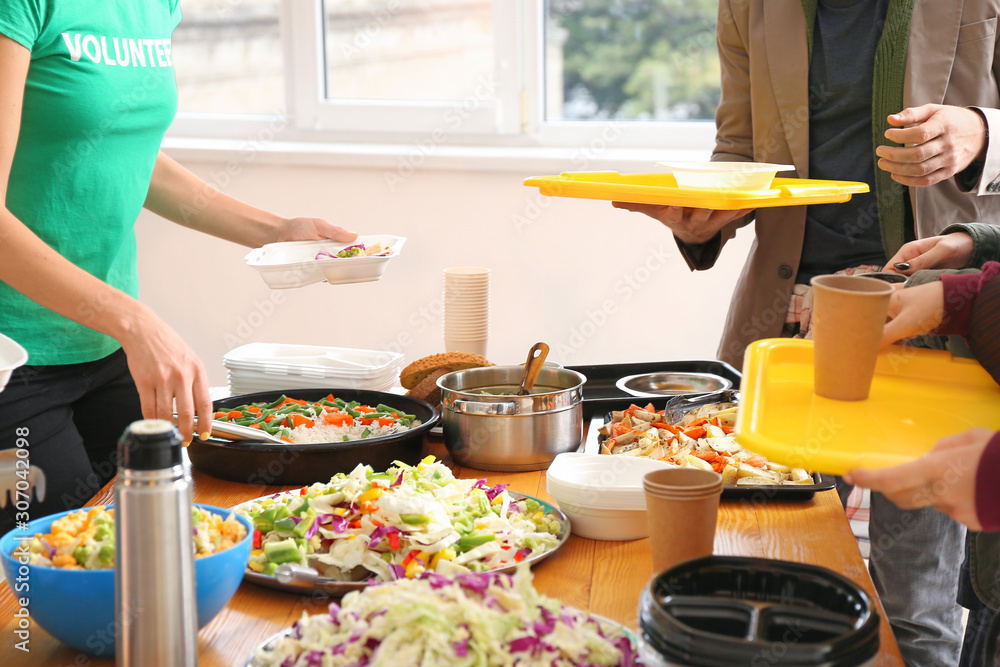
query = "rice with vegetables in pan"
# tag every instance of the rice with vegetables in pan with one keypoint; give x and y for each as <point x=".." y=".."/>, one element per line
<point x="329" y="419"/>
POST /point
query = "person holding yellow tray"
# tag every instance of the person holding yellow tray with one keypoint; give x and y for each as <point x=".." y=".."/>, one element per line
<point x="834" y="87"/>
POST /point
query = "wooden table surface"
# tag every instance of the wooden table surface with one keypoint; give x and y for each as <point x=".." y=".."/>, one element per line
<point x="604" y="577"/>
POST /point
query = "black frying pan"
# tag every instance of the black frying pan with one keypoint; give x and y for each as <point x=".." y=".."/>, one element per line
<point x="292" y="464"/>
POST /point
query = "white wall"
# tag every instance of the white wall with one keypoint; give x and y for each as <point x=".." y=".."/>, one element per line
<point x="597" y="284"/>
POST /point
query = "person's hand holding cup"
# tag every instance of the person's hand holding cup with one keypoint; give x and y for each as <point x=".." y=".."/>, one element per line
<point x="849" y="313"/>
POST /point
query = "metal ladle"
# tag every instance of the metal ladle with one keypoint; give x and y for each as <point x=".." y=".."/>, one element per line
<point x="536" y="358"/>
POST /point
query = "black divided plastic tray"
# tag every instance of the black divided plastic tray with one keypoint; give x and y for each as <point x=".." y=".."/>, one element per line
<point x="600" y="395"/>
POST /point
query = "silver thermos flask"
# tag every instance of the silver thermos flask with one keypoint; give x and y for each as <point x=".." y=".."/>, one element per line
<point x="156" y="609"/>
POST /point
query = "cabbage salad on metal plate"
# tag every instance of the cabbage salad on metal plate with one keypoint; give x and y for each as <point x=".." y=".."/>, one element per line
<point x="398" y="524"/>
<point x="471" y="619"/>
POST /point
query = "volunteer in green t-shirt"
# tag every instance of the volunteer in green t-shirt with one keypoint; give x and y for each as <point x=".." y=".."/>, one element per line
<point x="86" y="93"/>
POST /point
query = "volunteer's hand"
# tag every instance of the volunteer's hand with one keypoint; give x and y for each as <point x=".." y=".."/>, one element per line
<point x="948" y="251"/>
<point x="914" y="311"/>
<point x="943" y="141"/>
<point x="691" y="225"/>
<point x="312" y="229"/>
<point x="944" y="478"/>
<point x="165" y="368"/>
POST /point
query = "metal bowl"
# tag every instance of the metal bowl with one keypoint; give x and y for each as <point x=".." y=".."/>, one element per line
<point x="293" y="464"/>
<point x="505" y="432"/>
<point x="672" y="384"/>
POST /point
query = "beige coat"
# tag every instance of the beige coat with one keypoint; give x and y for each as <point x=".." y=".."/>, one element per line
<point x="952" y="59"/>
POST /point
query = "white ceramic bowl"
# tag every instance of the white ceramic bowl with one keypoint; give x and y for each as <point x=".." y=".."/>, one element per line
<point x="294" y="264"/>
<point x="725" y="175"/>
<point x="602" y="495"/>
<point x="12" y="355"/>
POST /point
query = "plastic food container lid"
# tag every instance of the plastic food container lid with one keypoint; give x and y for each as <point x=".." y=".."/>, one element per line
<point x="607" y="482"/>
<point x="313" y="360"/>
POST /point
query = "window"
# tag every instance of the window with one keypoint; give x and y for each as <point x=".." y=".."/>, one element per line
<point x="516" y="72"/>
<point x="228" y="58"/>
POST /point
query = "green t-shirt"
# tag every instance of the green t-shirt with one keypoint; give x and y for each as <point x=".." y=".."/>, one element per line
<point x="99" y="96"/>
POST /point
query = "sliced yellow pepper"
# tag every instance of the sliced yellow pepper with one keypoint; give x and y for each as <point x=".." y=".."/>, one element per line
<point x="373" y="493"/>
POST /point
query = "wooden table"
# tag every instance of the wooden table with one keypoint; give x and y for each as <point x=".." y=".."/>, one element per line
<point x="604" y="577"/>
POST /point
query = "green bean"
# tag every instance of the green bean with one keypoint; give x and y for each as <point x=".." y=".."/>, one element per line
<point x="281" y="399"/>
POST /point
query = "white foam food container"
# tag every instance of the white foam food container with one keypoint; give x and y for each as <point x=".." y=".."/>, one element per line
<point x="273" y="366"/>
<point x="313" y="360"/>
<point x="294" y="263"/>
<point x="729" y="175"/>
<point x="602" y="495"/>
<point x="12" y="355"/>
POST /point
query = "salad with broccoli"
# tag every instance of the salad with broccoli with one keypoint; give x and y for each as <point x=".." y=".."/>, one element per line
<point x="398" y="524"/>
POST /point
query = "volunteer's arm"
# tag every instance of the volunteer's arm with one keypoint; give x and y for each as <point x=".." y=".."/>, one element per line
<point x="163" y="366"/>
<point x="178" y="195"/>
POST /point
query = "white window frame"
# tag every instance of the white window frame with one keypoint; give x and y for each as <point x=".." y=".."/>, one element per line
<point x="514" y="118"/>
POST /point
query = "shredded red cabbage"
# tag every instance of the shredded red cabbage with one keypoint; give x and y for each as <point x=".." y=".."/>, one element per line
<point x="334" y="610"/>
<point x="480" y="484"/>
<point x="338" y="523"/>
<point x="398" y="571"/>
<point x="436" y="580"/>
<point x="312" y="530"/>
<point x="375" y="538"/>
<point x="399" y="480"/>
<point x="322" y="253"/>
<point x="625" y="646"/>
<point x="547" y="624"/>
<point x="314" y="658"/>
<point x="525" y="552"/>
<point x="473" y="581"/>
<point x="524" y="644"/>
<point x="461" y="648"/>
<point x="495" y="491"/>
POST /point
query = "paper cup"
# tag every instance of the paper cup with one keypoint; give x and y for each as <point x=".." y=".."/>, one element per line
<point x="682" y="507"/>
<point x="471" y="346"/>
<point x="848" y="317"/>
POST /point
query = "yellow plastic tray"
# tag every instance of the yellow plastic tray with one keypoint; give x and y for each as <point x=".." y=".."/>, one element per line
<point x="661" y="188"/>
<point x="917" y="397"/>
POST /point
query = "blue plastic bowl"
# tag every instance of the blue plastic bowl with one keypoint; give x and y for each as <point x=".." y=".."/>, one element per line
<point x="77" y="607"/>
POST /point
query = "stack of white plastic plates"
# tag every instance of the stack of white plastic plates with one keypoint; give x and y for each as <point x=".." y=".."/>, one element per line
<point x="269" y="367"/>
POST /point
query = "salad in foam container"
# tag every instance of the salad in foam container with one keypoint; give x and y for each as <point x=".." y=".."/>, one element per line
<point x="398" y="524"/>
<point x="299" y="263"/>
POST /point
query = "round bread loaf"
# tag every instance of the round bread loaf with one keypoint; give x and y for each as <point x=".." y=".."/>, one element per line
<point x="427" y="388"/>
<point x="416" y="372"/>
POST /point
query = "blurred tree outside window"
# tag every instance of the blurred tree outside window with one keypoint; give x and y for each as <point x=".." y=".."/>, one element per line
<point x="631" y="60"/>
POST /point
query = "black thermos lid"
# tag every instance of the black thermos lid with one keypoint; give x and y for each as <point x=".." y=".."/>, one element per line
<point x="149" y="444"/>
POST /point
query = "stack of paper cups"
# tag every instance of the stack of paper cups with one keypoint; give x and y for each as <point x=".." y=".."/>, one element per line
<point x="466" y="309"/>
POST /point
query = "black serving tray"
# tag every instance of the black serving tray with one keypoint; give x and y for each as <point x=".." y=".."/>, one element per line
<point x="600" y="395"/>
<point x="676" y="407"/>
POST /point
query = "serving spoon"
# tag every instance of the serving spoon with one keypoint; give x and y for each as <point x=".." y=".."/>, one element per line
<point x="536" y="358"/>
